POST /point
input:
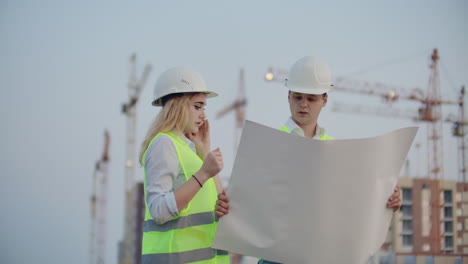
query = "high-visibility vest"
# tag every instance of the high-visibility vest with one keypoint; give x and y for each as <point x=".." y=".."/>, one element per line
<point x="322" y="136"/>
<point x="187" y="237"/>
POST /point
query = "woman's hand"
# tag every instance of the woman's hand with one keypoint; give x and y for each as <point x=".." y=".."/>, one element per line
<point x="211" y="166"/>
<point x="395" y="201"/>
<point x="222" y="205"/>
<point x="201" y="139"/>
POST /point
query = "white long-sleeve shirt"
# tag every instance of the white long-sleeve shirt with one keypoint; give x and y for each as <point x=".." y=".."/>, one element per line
<point x="164" y="174"/>
<point x="296" y="130"/>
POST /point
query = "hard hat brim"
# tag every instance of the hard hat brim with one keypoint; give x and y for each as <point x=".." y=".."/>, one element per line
<point x="309" y="91"/>
<point x="158" y="101"/>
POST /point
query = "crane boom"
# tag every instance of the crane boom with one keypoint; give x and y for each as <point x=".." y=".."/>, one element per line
<point x="373" y="110"/>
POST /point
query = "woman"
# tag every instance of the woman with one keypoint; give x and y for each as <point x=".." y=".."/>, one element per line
<point x="180" y="170"/>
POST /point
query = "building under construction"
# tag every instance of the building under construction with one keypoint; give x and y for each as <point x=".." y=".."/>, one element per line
<point x="431" y="226"/>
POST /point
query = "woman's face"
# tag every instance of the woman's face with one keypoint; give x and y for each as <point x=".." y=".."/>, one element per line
<point x="196" y="113"/>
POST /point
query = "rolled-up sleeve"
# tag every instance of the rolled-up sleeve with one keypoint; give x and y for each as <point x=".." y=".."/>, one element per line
<point x="162" y="168"/>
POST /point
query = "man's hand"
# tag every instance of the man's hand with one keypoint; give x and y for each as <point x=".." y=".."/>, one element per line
<point x="222" y="205"/>
<point x="395" y="201"/>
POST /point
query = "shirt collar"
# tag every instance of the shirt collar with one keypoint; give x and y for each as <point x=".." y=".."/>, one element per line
<point x="295" y="129"/>
<point x="182" y="136"/>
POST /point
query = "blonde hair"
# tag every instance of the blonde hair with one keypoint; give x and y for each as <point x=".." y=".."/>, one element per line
<point x="173" y="115"/>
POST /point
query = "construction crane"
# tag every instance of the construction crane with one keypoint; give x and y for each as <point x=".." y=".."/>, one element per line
<point x="418" y="115"/>
<point x="128" y="252"/>
<point x="460" y="132"/>
<point x="238" y="106"/>
<point x="422" y="115"/>
<point x="431" y="109"/>
<point x="99" y="206"/>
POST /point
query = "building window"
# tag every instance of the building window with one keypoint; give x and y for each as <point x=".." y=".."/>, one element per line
<point x="448" y="196"/>
<point x="388" y="259"/>
<point x="407" y="225"/>
<point x="406" y="210"/>
<point x="448" y="212"/>
<point x="448" y="241"/>
<point x="429" y="259"/>
<point x="407" y="194"/>
<point x="409" y="259"/>
<point x="407" y="240"/>
<point x="426" y="247"/>
<point x="448" y="227"/>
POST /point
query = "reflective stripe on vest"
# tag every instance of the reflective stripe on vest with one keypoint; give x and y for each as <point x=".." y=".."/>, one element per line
<point x="322" y="136"/>
<point x="187" y="237"/>
<point x="179" y="223"/>
<point x="198" y="255"/>
<point x="184" y="257"/>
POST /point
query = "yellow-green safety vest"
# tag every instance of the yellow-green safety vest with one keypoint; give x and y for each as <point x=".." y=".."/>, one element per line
<point x="322" y="136"/>
<point x="186" y="238"/>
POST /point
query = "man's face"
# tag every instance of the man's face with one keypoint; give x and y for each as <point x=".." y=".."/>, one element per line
<point x="305" y="108"/>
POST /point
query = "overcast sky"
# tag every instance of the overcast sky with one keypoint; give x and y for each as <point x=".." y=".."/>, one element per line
<point x="65" y="67"/>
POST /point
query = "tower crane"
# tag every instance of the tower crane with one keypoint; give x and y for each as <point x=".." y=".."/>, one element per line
<point x="460" y="132"/>
<point x="422" y="115"/>
<point x="99" y="206"/>
<point x="238" y="105"/>
<point x="127" y="247"/>
<point x="431" y="109"/>
<point x="418" y="115"/>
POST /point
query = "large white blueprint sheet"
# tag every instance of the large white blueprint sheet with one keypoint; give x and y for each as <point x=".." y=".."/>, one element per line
<point x="297" y="201"/>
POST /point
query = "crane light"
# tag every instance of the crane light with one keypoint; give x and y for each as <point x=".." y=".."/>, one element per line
<point x="391" y="96"/>
<point x="129" y="164"/>
<point x="269" y="76"/>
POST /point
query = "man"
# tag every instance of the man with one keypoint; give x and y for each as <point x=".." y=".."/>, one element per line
<point x="308" y="82"/>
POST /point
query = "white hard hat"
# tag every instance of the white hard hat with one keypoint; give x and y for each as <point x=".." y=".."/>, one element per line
<point x="309" y="75"/>
<point x="179" y="80"/>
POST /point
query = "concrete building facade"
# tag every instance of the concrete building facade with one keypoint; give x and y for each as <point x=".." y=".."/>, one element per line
<point x="432" y="225"/>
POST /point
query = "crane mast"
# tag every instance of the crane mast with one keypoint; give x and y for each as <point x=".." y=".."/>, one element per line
<point x="459" y="131"/>
<point x="238" y="106"/>
<point x="99" y="206"/>
<point x="127" y="247"/>
<point x="433" y="113"/>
